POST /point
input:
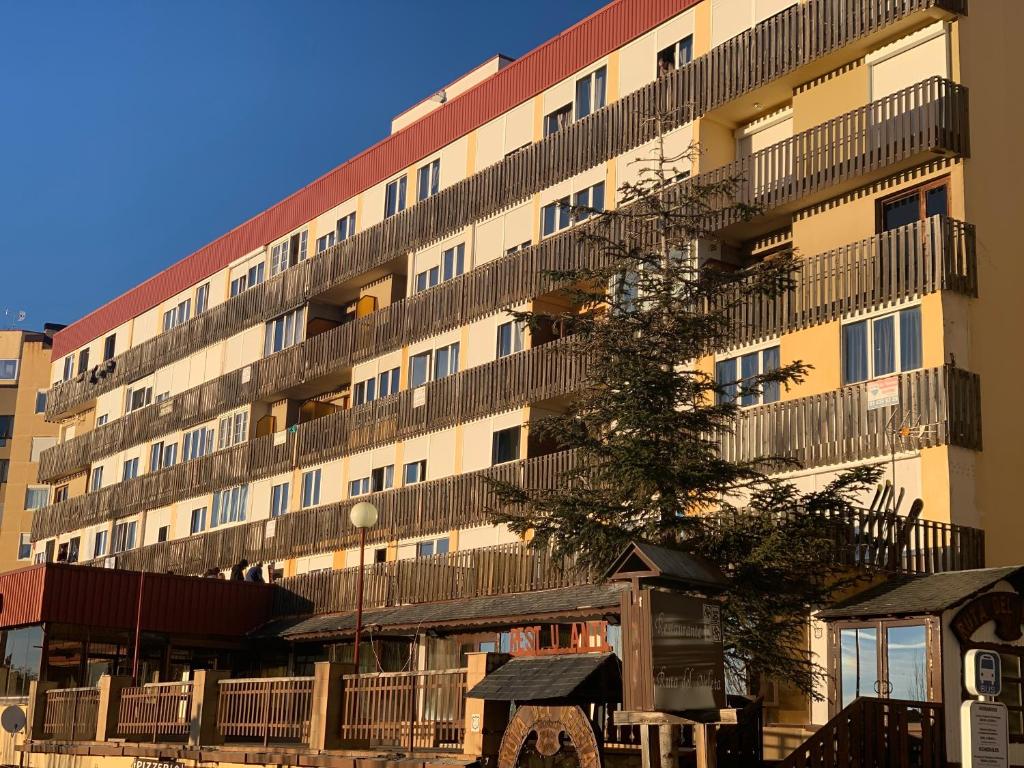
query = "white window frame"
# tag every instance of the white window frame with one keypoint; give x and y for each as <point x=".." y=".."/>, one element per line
<point x="130" y="469"/>
<point x="346" y="227"/>
<point x="869" y="319"/>
<point x="202" y="298"/>
<point x="590" y="83"/>
<point x="418" y="469"/>
<point x="516" y="340"/>
<point x="198" y="514"/>
<point x="738" y="355"/>
<point x="232" y="429"/>
<point x="279" y="499"/>
<point x="311" y="488"/>
<point x="44" y="490"/>
<point x="229" y="506"/>
<point x="123" y="536"/>
<point x="400" y="195"/>
<point x="281" y="256"/>
<point x="431" y="174"/>
<point x="177" y="315"/>
<point x="25" y="546"/>
<point x="292" y="331"/>
<point x="324" y="242"/>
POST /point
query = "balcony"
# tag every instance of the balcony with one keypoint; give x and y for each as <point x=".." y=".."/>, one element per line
<point x="785" y="46"/>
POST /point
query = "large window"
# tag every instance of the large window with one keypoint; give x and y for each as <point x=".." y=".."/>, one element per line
<point x="915" y="205"/>
<point x="675" y="55"/>
<point x="559" y="214"/>
<point x="253" y="277"/>
<point x="162" y="455"/>
<point x="96" y="479"/>
<point x="196" y="443"/>
<point x="324" y="242"/>
<point x="557" y="120"/>
<point x="279" y="500"/>
<point x="8" y="370"/>
<point x="590" y="92"/>
<point x="137" y="397"/>
<point x="285" y="331"/>
<point x="380" y="479"/>
<point x="505" y="445"/>
<point x="428" y="180"/>
<point x="735" y="376"/>
<point x="414" y="472"/>
<point x="446" y="361"/>
<point x="197" y="524"/>
<point x="123" y="537"/>
<point x="176" y="316"/>
<point x="419" y="369"/>
<point x="381" y="385"/>
<point x="394" y="197"/>
<point x="510" y="339"/>
<point x="346" y="227"/>
<point x="130" y="470"/>
<point x="288" y="253"/>
<point x="232" y="430"/>
<point x="99" y="544"/>
<point x="37" y="496"/>
<point x="109" y="346"/>
<point x="310" y="488"/>
<point x="229" y="506"/>
<point x="432" y="547"/>
<point x="887" y="659"/>
<point x="883" y="345"/>
<point x="453" y="264"/>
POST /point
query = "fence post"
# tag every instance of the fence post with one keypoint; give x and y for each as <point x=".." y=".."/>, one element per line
<point x="36" y="712"/>
<point x="205" y="698"/>
<point x="111" y="688"/>
<point x="485" y="720"/>
<point x="326" y="710"/>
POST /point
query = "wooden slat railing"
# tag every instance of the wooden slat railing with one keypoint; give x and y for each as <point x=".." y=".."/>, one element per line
<point x="156" y="710"/>
<point x="496" y="570"/>
<point x="71" y="714"/>
<point x="881" y="733"/>
<point x="412" y="710"/>
<point x="265" y="709"/>
<point x="913" y="260"/>
<point x="782" y="44"/>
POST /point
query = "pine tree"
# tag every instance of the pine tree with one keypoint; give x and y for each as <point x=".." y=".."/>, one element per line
<point x="645" y="315"/>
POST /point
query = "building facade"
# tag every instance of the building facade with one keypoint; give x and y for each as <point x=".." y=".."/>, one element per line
<point x="24" y="435"/>
<point x="353" y="341"/>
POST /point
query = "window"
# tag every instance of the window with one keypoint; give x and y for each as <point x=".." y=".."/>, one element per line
<point x="555" y="217"/>
<point x="102" y="419"/>
<point x="288" y="253"/>
<point x="197" y="524"/>
<point x="590" y="92"/>
<point x="518" y="248"/>
<point x="25" y="546"/>
<point x="310" y="488"/>
<point x="675" y="56"/>
<point x="428" y="180"/>
<point x="394" y="197"/>
<point x="419" y="369"/>
<point x="41" y="401"/>
<point x="69" y="367"/>
<point x="6" y="429"/>
<point x="232" y="430"/>
<point x="279" y="500"/>
<point x="428" y="278"/>
<point x="229" y="505"/>
<point x="588" y="202"/>
<point x="916" y="205"/>
<point x="162" y="533"/>
<point x="123" y="537"/>
<point x="8" y="370"/>
<point x="202" y="298"/>
<point x="736" y="373"/>
<point x="162" y="455"/>
<point x="387" y="383"/>
<point x="557" y="120"/>
<point x="196" y="443"/>
<point x="380" y="555"/>
<point x="510" y="338"/>
<point x="346" y="227"/>
<point x="83" y="361"/>
<point x="36" y="496"/>
<point x="325" y="242"/>
<point x="382" y="478"/>
<point x="446" y="361"/>
<point x="432" y="547"/>
<point x="137" y="398"/>
<point x="131" y="469"/>
<point x="285" y="331"/>
<point x="99" y="544"/>
<point x="178" y="315"/>
<point x="364" y="392"/>
<point x="882" y="345"/>
<point x="5" y="466"/>
<point x="359" y="487"/>
<point x="96" y="480"/>
<point x="453" y="262"/>
<point x="251" y="278"/>
<point x="505" y="445"/>
<point x="109" y="346"/>
<point x="414" y="472"/>
<point x="71" y="549"/>
<point x="60" y="493"/>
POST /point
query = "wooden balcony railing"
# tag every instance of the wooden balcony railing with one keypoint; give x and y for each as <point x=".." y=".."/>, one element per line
<point x="410" y="710"/>
<point x="265" y="709"/>
<point x="156" y="710"/>
<point x="916" y="259"/>
<point x="498" y="570"/>
<point x="71" y="714"/>
<point x="783" y="44"/>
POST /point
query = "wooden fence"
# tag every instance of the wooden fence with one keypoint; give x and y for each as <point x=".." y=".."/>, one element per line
<point x="497" y="570"/>
<point x="782" y="44"/>
<point x="265" y="709"/>
<point x="413" y="710"/>
<point x="876" y="733"/>
<point x="156" y="710"/>
<point x="913" y="260"/>
<point x="71" y="714"/>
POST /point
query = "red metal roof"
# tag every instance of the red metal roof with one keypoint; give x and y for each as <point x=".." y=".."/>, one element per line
<point x="104" y="597"/>
<point x="590" y="39"/>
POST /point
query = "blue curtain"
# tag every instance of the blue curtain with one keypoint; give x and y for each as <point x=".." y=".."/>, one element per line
<point x="770" y="362"/>
<point x="910" y="339"/>
<point x="748" y="370"/>
<point x="883" y="332"/>
<point x="855" y="352"/>
<point x="725" y="377"/>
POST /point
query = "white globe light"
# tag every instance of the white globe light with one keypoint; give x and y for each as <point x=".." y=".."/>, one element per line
<point x="363" y="515"/>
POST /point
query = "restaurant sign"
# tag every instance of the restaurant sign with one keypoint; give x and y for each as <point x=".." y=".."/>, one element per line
<point x="687" y="659"/>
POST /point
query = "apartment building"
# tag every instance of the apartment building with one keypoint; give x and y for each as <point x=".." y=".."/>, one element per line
<point x="352" y="342"/>
<point x="24" y="435"/>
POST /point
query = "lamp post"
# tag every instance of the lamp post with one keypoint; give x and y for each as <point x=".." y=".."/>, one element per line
<point x="362" y="516"/>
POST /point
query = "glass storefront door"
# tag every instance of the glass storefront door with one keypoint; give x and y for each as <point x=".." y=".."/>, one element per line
<point x="883" y="659"/>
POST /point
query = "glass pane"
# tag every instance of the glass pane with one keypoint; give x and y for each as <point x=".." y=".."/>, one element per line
<point x="884" y="343"/>
<point x="907" y="662"/>
<point x="748" y="370"/>
<point x="725" y="377"/>
<point x="859" y="665"/>
<point x="855" y="352"/>
<point x="599" y="88"/>
<point x="936" y="201"/>
<point x="770" y="362"/>
<point x="900" y="212"/>
<point x="582" y="97"/>
<point x="910" y="339"/>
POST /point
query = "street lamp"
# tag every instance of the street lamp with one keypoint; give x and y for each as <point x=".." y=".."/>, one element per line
<point x="362" y="516"/>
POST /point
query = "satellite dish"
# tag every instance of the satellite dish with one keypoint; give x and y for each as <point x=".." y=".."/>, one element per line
<point x="12" y="719"/>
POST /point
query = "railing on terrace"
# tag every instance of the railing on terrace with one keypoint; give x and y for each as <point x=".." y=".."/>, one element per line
<point x="496" y="570"/>
<point x="265" y="709"/>
<point x="157" y="710"/>
<point x="783" y="44"/>
<point x="411" y="710"/>
<point x="71" y="714"/>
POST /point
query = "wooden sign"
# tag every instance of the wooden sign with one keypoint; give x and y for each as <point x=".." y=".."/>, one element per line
<point x="581" y="637"/>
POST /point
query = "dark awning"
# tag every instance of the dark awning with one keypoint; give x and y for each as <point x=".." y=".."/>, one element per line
<point x="574" y="677"/>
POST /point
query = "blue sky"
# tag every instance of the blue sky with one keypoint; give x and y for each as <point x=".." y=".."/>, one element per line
<point x="134" y="132"/>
